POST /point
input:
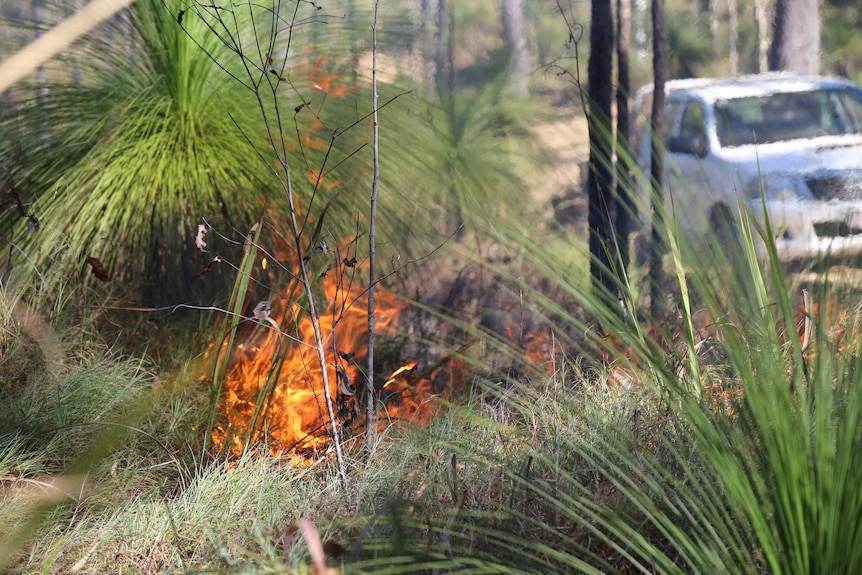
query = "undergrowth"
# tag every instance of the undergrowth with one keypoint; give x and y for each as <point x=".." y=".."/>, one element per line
<point x="713" y="440"/>
<point x="597" y="465"/>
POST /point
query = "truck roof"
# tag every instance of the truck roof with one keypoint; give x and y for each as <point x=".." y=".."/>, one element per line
<point x="712" y="89"/>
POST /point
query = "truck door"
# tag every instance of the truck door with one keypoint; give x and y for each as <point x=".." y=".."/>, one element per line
<point x="688" y="177"/>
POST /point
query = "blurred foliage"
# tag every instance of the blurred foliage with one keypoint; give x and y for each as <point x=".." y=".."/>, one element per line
<point x="152" y="127"/>
<point x="842" y="38"/>
<point x="139" y="94"/>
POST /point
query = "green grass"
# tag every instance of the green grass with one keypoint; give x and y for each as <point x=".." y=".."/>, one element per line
<point x="548" y="473"/>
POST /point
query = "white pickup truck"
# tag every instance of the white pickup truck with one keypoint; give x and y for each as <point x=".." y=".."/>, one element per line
<point x="795" y="140"/>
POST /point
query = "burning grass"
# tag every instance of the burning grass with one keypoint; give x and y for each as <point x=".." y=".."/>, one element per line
<point x="512" y="475"/>
<point x="552" y="462"/>
<point x="273" y="390"/>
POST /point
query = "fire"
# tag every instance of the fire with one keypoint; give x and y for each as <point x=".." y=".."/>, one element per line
<point x="411" y="397"/>
<point x="273" y="391"/>
<point x="538" y="347"/>
<point x="409" y="366"/>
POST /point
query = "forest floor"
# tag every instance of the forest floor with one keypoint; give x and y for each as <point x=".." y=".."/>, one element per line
<point x="566" y="140"/>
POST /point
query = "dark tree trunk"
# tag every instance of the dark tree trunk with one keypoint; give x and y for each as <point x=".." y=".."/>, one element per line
<point x="656" y="273"/>
<point x="624" y="183"/>
<point x="796" y="42"/>
<point x="446" y="89"/>
<point x="600" y="182"/>
<point x="443" y="60"/>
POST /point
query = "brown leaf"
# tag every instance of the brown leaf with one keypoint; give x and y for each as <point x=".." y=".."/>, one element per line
<point x="344" y="381"/>
<point x="200" y="242"/>
<point x="98" y="269"/>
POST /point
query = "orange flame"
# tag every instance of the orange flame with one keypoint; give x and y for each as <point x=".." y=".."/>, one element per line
<point x="274" y="390"/>
<point x="409" y="366"/>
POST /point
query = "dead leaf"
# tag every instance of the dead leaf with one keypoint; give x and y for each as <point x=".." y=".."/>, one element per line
<point x="262" y="310"/>
<point x="98" y="269"/>
<point x="344" y="381"/>
<point x="200" y="243"/>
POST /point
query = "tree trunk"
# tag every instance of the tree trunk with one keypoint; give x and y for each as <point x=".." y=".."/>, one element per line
<point x="796" y="43"/>
<point x="761" y="16"/>
<point x="441" y="68"/>
<point x="40" y="18"/>
<point x="641" y="40"/>
<point x="714" y="17"/>
<point x="74" y="65"/>
<point x="733" y="34"/>
<point x="600" y="182"/>
<point x="423" y="48"/>
<point x="622" y="222"/>
<point x="515" y="32"/>
<point x="656" y="273"/>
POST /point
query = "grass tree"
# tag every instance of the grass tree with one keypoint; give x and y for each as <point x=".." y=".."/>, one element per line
<point x="123" y="166"/>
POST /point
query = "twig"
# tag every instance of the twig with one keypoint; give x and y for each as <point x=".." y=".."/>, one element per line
<point x="808" y="325"/>
<point x="372" y="250"/>
<point x="315" y="545"/>
<point x="273" y="122"/>
<point x="26" y="60"/>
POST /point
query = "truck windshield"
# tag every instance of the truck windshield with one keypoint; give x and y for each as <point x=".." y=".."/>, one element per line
<point x="788" y="116"/>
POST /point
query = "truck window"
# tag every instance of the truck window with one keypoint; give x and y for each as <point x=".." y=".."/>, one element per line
<point x="641" y="120"/>
<point x="847" y="106"/>
<point x="788" y="116"/>
<point x="671" y="118"/>
<point x="693" y="121"/>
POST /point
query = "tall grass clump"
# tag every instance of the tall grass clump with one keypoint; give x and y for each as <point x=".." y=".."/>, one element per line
<point x="719" y="439"/>
<point x="122" y="161"/>
<point x="60" y="436"/>
<point x="152" y="127"/>
<point x="740" y="453"/>
<point x="158" y="131"/>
